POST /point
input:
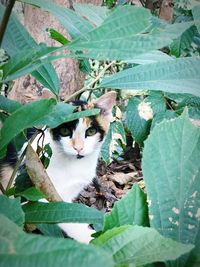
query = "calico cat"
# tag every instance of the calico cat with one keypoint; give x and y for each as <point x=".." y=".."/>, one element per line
<point x="75" y="150"/>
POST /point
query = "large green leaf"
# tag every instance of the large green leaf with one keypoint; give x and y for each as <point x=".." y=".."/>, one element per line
<point x="57" y="212"/>
<point x="172" y="176"/>
<point x="17" y="39"/>
<point x="24" y="117"/>
<point x="131" y="209"/>
<point x="95" y="14"/>
<point x="175" y="76"/>
<point x="19" y="249"/>
<point x="126" y="41"/>
<point x="139" y="245"/>
<point x="74" y="25"/>
<point x="11" y="208"/>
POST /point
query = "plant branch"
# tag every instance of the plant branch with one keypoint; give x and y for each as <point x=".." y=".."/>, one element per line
<point x="19" y="161"/>
<point x="5" y="19"/>
<point x="2" y="188"/>
<point x="89" y="86"/>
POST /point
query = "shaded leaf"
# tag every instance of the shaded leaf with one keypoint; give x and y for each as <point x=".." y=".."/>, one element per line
<point x="32" y="194"/>
<point x="183" y="42"/>
<point x="11" y="208"/>
<point x="138" y="125"/>
<point x="50" y="230"/>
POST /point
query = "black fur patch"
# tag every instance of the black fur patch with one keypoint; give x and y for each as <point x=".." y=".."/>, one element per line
<point x="56" y="131"/>
<point x="9" y="160"/>
<point x="95" y="124"/>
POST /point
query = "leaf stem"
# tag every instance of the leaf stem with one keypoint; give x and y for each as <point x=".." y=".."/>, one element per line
<point x="88" y="86"/>
<point x="5" y="19"/>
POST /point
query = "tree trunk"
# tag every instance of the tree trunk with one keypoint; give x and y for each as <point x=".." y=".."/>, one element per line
<point x="36" y="20"/>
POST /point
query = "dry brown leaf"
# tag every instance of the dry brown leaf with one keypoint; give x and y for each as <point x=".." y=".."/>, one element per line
<point x="123" y="178"/>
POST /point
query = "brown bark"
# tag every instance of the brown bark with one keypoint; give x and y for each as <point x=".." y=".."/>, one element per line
<point x="36" y="20"/>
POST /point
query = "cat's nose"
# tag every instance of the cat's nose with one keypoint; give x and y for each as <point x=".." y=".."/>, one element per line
<point x="78" y="148"/>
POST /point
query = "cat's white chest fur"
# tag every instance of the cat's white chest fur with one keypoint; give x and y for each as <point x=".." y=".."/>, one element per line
<point x="69" y="174"/>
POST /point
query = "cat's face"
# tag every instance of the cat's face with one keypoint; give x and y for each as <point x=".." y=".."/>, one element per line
<point x="82" y="137"/>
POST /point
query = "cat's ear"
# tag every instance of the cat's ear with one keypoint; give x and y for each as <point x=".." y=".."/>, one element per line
<point x="106" y="103"/>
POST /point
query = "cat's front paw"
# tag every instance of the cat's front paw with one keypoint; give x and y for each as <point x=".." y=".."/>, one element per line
<point x="81" y="232"/>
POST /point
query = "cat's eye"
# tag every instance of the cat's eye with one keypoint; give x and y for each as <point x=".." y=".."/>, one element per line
<point x="91" y="131"/>
<point x="65" y="131"/>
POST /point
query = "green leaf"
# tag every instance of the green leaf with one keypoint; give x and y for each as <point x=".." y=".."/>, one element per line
<point x="32" y="194"/>
<point x="138" y="126"/>
<point x="163" y="115"/>
<point x="95" y="14"/>
<point x="175" y="30"/>
<point x="172" y="178"/>
<point x="149" y="57"/>
<point x="50" y="230"/>
<point x="139" y="245"/>
<point x="157" y="101"/>
<point x="11" y="208"/>
<point x="62" y="112"/>
<point x="74" y="25"/>
<point x="23" y="118"/>
<point x="17" y="39"/>
<point x="20" y="249"/>
<point x="131" y="209"/>
<point x="175" y="76"/>
<point x="196" y="16"/>
<point x="57" y="212"/>
<point x="57" y="36"/>
<point x="48" y="77"/>
<point x="126" y="41"/>
<point x="59" y="114"/>
<point x="26" y="62"/>
<point x="183" y="42"/>
<point x="112" y="146"/>
<point x="8" y="105"/>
